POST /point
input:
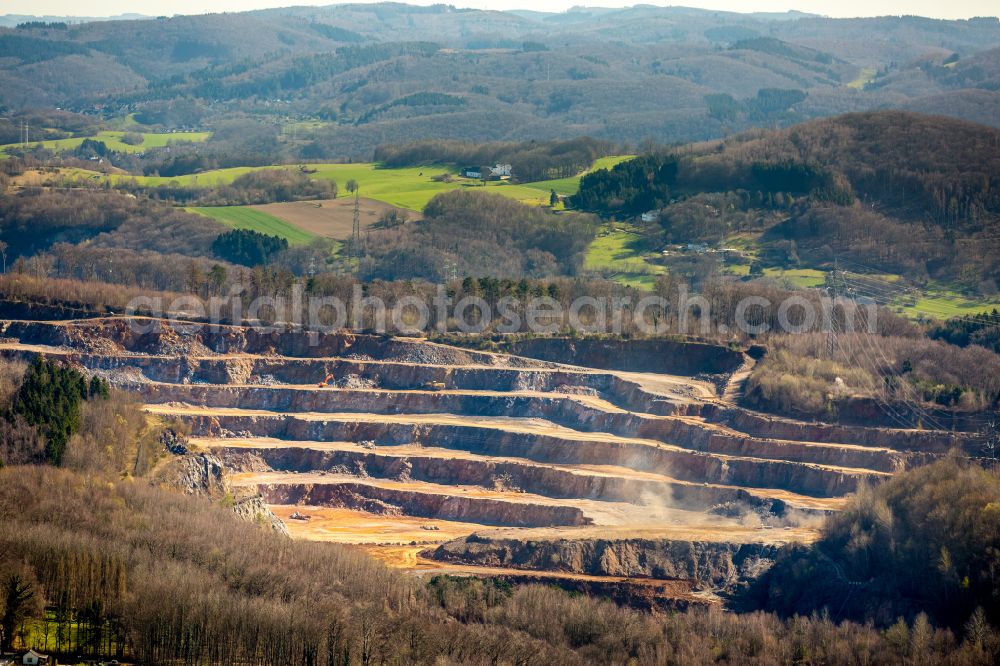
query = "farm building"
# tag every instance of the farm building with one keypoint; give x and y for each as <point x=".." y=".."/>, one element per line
<point x="498" y="172"/>
<point x="32" y="658"/>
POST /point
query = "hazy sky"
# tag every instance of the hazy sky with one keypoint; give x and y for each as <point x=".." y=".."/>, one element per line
<point x="935" y="8"/>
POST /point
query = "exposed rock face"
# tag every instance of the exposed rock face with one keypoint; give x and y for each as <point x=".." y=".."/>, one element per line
<point x="567" y="412"/>
<point x="159" y="337"/>
<point x="874" y="433"/>
<point x="582" y="441"/>
<point x="678" y="463"/>
<point x="711" y="563"/>
<point x="196" y="474"/>
<point x="427" y="505"/>
<point x="666" y="357"/>
<point x="204" y="474"/>
<point x="254" y="510"/>
<point x="537" y="479"/>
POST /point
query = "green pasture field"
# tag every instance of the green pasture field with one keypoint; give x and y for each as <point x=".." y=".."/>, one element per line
<point x="800" y="278"/>
<point x="241" y="217"/>
<point x="112" y="139"/>
<point x="569" y="186"/>
<point x="944" y="305"/>
<point x="408" y="187"/>
<point x="611" y="252"/>
<point x="865" y="76"/>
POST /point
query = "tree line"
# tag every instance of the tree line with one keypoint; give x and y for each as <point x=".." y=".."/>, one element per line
<point x="922" y="168"/>
<point x="34" y="220"/>
<point x="629" y="188"/>
<point x="800" y="377"/>
<point x="247" y="247"/>
<point x="981" y="329"/>
<point x="531" y="160"/>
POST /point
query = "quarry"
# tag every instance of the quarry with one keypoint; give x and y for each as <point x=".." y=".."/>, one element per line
<point x="625" y="468"/>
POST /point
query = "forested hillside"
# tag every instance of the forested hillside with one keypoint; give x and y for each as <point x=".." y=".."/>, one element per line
<point x="37" y="220"/>
<point x="474" y="233"/>
<point x="927" y="541"/>
<point x="158" y="576"/>
<point x="909" y="165"/>
<point x="890" y="192"/>
<point x="363" y="75"/>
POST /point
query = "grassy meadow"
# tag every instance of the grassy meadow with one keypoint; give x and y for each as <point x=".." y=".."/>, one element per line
<point x="409" y="187"/>
<point x="938" y="303"/>
<point x="242" y="217"/>
<point x="569" y="186"/>
<point x="800" y="278"/>
<point x="113" y="140"/>
<point x="865" y="76"/>
<point x="612" y="253"/>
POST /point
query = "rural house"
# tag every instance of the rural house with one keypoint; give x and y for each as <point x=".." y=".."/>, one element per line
<point x="32" y="658"/>
<point x="498" y="172"/>
<point x="501" y="172"/>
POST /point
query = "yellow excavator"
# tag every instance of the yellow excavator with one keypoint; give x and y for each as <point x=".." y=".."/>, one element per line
<point x="326" y="381"/>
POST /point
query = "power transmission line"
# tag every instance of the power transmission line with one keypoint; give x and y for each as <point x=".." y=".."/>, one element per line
<point x="887" y="296"/>
<point x="887" y="408"/>
<point x="356" y="233"/>
<point x="877" y="289"/>
<point x="914" y="403"/>
<point x="832" y="292"/>
<point x="883" y="366"/>
<point x="852" y="357"/>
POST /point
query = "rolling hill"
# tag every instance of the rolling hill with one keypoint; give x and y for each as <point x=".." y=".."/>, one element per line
<point x="371" y="74"/>
<point x="882" y="194"/>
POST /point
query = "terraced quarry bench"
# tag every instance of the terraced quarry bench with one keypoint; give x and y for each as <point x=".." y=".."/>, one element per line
<point x="508" y="466"/>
